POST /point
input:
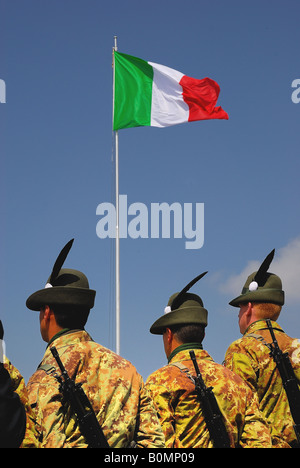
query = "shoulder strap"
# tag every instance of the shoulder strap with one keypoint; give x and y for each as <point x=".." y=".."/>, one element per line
<point x="50" y="370"/>
<point x="47" y="368"/>
<point x="259" y="338"/>
<point x="180" y="366"/>
<point x="184" y="369"/>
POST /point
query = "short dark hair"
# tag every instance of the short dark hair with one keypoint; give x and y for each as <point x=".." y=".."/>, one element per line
<point x="192" y="333"/>
<point x="70" y="317"/>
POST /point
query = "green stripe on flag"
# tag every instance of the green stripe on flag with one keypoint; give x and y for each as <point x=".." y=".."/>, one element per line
<point x="133" y="92"/>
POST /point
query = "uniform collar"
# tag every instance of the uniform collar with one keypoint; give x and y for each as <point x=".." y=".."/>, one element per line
<point x="262" y="325"/>
<point x="83" y="335"/>
<point x="184" y="347"/>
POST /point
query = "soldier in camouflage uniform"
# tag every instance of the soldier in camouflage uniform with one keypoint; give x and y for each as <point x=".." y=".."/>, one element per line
<point x="25" y="433"/>
<point x="17" y="425"/>
<point x="262" y="298"/>
<point x="112" y="384"/>
<point x="173" y="391"/>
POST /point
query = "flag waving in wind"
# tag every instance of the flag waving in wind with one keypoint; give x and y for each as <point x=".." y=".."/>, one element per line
<point x="149" y="94"/>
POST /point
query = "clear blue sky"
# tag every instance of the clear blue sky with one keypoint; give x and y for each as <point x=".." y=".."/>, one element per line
<point x="56" y="162"/>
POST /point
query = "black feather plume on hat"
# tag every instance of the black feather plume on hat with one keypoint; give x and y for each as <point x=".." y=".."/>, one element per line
<point x="260" y="276"/>
<point x="60" y="261"/>
<point x="176" y="302"/>
<point x="1" y="331"/>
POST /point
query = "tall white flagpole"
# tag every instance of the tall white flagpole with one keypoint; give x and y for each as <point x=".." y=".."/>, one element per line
<point x="117" y="273"/>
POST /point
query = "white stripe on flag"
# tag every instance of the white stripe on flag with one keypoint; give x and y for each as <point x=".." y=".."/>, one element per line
<point x="168" y="106"/>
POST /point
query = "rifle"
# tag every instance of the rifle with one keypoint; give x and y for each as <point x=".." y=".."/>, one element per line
<point x="289" y="380"/>
<point x="80" y="404"/>
<point x="212" y="414"/>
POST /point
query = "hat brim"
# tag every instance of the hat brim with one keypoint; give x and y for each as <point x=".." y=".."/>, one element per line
<point x="192" y="315"/>
<point x="266" y="295"/>
<point x="62" y="295"/>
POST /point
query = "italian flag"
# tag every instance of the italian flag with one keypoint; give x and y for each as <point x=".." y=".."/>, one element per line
<point x="149" y="94"/>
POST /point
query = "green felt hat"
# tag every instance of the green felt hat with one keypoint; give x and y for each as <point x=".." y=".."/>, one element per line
<point x="261" y="286"/>
<point x="183" y="308"/>
<point x="65" y="287"/>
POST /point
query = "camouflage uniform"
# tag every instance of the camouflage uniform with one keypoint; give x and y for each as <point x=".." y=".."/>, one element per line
<point x="249" y="358"/>
<point x="113" y="386"/>
<point x="180" y="412"/>
<point x="31" y="435"/>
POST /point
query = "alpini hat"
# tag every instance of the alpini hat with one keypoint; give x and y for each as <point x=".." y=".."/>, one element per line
<point x="261" y="286"/>
<point x="64" y="287"/>
<point x="183" y="308"/>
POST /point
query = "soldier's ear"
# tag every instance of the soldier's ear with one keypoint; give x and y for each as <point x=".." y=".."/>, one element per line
<point x="47" y="312"/>
<point x="169" y="335"/>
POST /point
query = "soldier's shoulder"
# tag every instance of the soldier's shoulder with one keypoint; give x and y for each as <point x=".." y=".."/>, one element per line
<point x="249" y="344"/>
<point x="162" y="375"/>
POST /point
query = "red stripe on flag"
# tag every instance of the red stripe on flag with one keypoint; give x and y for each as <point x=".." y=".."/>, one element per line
<point x="201" y="96"/>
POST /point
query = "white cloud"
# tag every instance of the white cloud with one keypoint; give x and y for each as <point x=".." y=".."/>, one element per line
<point x="286" y="264"/>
